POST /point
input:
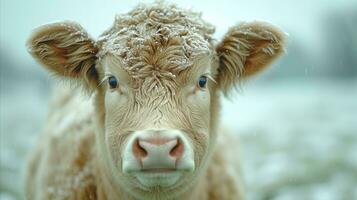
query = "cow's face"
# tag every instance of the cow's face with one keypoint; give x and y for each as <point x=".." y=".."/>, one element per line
<point x="156" y="83"/>
<point x="156" y="75"/>
<point x="157" y="128"/>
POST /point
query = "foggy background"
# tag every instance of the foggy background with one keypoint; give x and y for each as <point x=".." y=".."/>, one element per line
<point x="297" y="121"/>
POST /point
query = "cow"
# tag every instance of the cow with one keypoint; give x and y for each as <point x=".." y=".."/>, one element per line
<point x="142" y="121"/>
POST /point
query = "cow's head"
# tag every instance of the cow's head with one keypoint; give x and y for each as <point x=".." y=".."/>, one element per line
<point x="156" y="75"/>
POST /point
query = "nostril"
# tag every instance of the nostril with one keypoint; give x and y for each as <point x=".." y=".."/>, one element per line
<point x="138" y="150"/>
<point x="177" y="150"/>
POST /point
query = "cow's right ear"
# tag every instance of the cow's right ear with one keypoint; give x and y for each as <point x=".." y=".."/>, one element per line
<point x="66" y="50"/>
<point x="247" y="49"/>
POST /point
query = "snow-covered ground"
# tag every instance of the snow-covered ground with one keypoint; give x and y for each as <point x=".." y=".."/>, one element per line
<point x="298" y="138"/>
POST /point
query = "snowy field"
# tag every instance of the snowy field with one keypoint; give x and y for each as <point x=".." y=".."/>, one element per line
<point x="298" y="138"/>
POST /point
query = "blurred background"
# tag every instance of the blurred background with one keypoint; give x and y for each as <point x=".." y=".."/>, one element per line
<point x="297" y="121"/>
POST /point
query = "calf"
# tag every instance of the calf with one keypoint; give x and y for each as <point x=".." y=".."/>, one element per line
<point x="144" y="122"/>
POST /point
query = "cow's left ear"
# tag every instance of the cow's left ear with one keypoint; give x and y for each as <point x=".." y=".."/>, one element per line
<point x="246" y="49"/>
<point x="66" y="50"/>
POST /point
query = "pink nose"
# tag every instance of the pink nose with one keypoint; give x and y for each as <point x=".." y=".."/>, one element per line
<point x="158" y="152"/>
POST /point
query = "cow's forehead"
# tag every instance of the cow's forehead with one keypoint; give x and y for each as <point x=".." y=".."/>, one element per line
<point x="157" y="39"/>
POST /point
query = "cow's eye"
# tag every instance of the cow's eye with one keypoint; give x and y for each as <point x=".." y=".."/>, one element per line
<point x="202" y="81"/>
<point x="113" y="83"/>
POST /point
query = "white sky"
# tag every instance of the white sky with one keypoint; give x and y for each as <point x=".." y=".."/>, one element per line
<point x="19" y="17"/>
